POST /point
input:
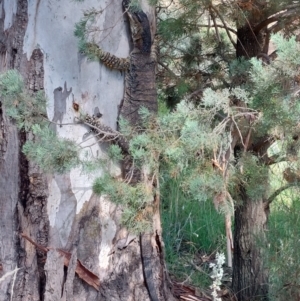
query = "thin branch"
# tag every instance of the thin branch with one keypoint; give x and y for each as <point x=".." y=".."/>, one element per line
<point x="215" y="25"/>
<point x="195" y="93"/>
<point x="225" y="25"/>
<point x="247" y="139"/>
<point x="60" y="124"/>
<point x="220" y="26"/>
<point x="280" y="25"/>
<point x="266" y="43"/>
<point x="168" y="69"/>
<point x="239" y="132"/>
<point x="278" y="191"/>
<point x="199" y="268"/>
<point x="275" y="18"/>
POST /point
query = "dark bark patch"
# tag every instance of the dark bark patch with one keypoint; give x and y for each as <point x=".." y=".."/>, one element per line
<point x="89" y="238"/>
<point x="249" y="44"/>
<point x="14" y="52"/>
<point x="23" y="170"/>
<point x="126" y="280"/>
<point x="35" y="78"/>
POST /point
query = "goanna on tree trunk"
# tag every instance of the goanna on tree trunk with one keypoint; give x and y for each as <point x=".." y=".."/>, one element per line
<point x="28" y="196"/>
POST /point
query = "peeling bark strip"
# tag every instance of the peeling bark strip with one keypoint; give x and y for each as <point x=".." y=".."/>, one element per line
<point x="82" y="272"/>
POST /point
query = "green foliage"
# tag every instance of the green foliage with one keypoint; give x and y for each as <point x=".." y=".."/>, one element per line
<point x="176" y="145"/>
<point x="51" y="153"/>
<point x="239" y="67"/>
<point x="192" y="51"/>
<point x="162" y="107"/>
<point x="114" y="153"/>
<point x="84" y="30"/>
<point x="174" y="28"/>
<point x="191" y="147"/>
<point x="272" y="90"/>
<point x="125" y="127"/>
<point x="288" y="55"/>
<point x="135" y="5"/>
<point x="203" y="186"/>
<point x="283" y="257"/>
<point x="145" y="116"/>
<point x="11" y="84"/>
<point x="80" y="30"/>
<point x="204" y="145"/>
<point x="47" y="150"/>
<point x="174" y="94"/>
<point x="253" y="176"/>
<point x="26" y="110"/>
<point x="190" y="229"/>
<point x="136" y="201"/>
<point x="195" y="59"/>
<point x="153" y="2"/>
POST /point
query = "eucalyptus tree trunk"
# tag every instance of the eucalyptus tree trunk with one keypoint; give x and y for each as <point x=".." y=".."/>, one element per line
<point x="61" y="211"/>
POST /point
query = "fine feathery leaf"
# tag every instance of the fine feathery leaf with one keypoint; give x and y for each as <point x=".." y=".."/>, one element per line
<point x="50" y="152"/>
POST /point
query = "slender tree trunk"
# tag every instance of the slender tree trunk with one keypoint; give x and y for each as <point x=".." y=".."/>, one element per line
<point x="250" y="278"/>
<point x="61" y="211"/>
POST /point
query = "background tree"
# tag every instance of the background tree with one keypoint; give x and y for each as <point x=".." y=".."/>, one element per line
<point x="209" y="36"/>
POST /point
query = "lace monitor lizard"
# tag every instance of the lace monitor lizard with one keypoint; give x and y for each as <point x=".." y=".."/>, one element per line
<point x="140" y="90"/>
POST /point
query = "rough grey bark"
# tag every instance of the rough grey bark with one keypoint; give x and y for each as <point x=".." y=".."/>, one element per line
<point x="60" y="211"/>
<point x="68" y="288"/>
<point x="9" y="188"/>
<point x="250" y="280"/>
<point x="54" y="270"/>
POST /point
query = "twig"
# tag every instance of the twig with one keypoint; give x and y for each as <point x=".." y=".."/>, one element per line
<point x="247" y="140"/>
<point x="167" y="68"/>
<point x="215" y="25"/>
<point x="38" y="246"/>
<point x="220" y="26"/>
<point x="278" y="191"/>
<point x="225" y="25"/>
<point x="199" y="269"/>
<point x="239" y="132"/>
